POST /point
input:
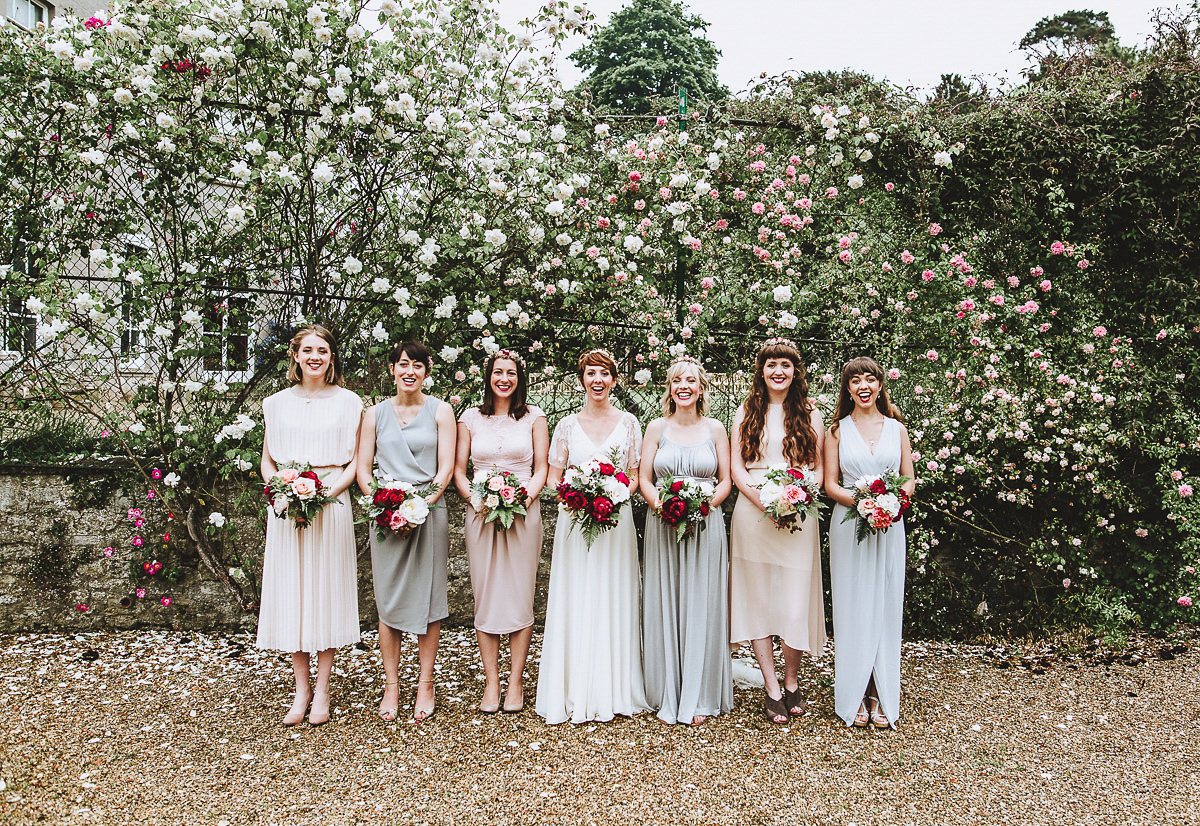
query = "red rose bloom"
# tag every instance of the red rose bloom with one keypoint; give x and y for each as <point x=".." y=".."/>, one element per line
<point x="795" y="474"/>
<point x="622" y="478"/>
<point x="310" y="474"/>
<point x="704" y="509"/>
<point x="674" y="510"/>
<point x="602" y="508"/>
<point x="384" y="519"/>
<point x="677" y="486"/>
<point x="607" y="469"/>
<point x="878" y="487"/>
<point x="267" y="492"/>
<point x="575" y="500"/>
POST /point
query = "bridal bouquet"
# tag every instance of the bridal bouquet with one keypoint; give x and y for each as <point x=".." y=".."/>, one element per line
<point x="395" y="506"/>
<point x="592" y="494"/>
<point x="685" y="504"/>
<point x="498" y="496"/>
<point x="296" y="492"/>
<point x="789" y="496"/>
<point x="879" y="503"/>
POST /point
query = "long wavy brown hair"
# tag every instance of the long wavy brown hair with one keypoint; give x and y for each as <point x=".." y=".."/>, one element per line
<point x="799" y="438"/>
<point x="863" y="366"/>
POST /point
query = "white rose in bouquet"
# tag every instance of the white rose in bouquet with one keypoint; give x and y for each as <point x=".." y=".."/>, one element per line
<point x="889" y="504"/>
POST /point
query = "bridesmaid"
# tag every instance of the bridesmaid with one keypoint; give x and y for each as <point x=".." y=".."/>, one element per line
<point x="591" y="666"/>
<point x="866" y="438"/>
<point x="411" y="437"/>
<point x="776" y="574"/>
<point x="685" y="628"/>
<point x="506" y="432"/>
<point x="309" y="581"/>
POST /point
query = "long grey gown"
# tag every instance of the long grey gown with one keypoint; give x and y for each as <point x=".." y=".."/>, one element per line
<point x="685" y="611"/>
<point x="867" y="580"/>
<point x="410" y="571"/>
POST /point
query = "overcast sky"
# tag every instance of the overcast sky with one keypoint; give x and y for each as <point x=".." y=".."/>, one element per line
<point x="909" y="42"/>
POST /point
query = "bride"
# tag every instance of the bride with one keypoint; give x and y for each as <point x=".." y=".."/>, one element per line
<point x="591" y="666"/>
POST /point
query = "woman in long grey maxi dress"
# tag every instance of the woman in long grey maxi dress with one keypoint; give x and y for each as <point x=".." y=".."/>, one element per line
<point x="411" y="438"/>
<point x="867" y="577"/>
<point x="685" y="614"/>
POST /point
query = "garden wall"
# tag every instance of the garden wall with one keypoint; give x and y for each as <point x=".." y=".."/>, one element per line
<point x="56" y="522"/>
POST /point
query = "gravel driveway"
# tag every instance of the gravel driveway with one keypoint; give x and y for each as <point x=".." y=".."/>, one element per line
<point x="171" y="727"/>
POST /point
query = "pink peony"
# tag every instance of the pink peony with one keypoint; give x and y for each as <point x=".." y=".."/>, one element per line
<point x="793" y="494"/>
<point x="1057" y="248"/>
<point x="288" y="475"/>
<point x="1185" y="490"/>
<point x="893" y="373"/>
<point x="1186" y="602"/>
<point x="398" y="521"/>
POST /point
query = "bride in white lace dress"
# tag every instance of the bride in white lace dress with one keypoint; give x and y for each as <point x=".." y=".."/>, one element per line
<point x="591" y="666"/>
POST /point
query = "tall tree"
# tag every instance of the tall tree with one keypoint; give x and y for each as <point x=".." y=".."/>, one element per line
<point x="648" y="50"/>
<point x="1062" y="32"/>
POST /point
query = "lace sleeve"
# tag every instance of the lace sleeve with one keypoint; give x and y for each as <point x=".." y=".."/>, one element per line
<point x="560" y="451"/>
<point x="634" y="458"/>
<point x="470" y="419"/>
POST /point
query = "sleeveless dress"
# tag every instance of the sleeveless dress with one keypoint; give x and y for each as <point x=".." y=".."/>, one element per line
<point x="503" y="563"/>
<point x="685" y="628"/>
<point x="409" y="572"/>
<point x="591" y="663"/>
<point x="775" y="577"/>
<point x="868" y="585"/>
<point x="309" y="580"/>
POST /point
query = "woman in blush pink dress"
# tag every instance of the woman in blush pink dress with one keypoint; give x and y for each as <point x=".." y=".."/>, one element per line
<point x="504" y="432"/>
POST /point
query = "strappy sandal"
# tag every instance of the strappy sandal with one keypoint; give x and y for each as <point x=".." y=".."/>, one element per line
<point x="862" y="719"/>
<point x="422" y="714"/>
<point x="773" y="708"/>
<point x="878" y="720"/>
<point x="792" y="699"/>
<point x="388" y="715"/>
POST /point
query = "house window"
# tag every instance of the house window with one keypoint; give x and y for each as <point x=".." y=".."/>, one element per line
<point x="17" y="328"/>
<point x="227" y="337"/>
<point x="27" y="14"/>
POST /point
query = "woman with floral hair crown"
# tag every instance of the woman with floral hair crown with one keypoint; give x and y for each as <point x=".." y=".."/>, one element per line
<point x="591" y="666"/>
<point x="775" y="579"/>
<point x="505" y="433"/>
<point x="309" y="580"/>
<point x="685" y="630"/>
<point x="867" y="438"/>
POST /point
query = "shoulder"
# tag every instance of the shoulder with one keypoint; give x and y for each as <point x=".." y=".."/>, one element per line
<point x="348" y="397"/>
<point x="739" y="415"/>
<point x="470" y="416"/>
<point x="631" y="422"/>
<point x="900" y="427"/>
<point x="565" y="424"/>
<point x="814" y="416"/>
<point x="442" y="409"/>
<point x="655" y="428"/>
<point x="716" y="428"/>
<point x="532" y="411"/>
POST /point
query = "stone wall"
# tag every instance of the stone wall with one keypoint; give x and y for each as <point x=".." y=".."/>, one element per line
<point x="57" y="522"/>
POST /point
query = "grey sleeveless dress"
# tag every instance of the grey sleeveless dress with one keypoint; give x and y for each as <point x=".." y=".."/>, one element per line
<point x="410" y="571"/>
<point x="685" y="608"/>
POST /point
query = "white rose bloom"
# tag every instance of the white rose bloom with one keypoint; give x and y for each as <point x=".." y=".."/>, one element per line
<point x="241" y="464"/>
<point x="554" y="208"/>
<point x="865" y="508"/>
<point x="524" y="136"/>
<point x="557" y="132"/>
<point x="500" y="318"/>
<point x="855" y="181"/>
<point x="378" y="333"/>
<point x="491" y="501"/>
<point x="322" y="173"/>
<point x="494" y="236"/>
<point x="677" y="208"/>
<point x="782" y="293"/>
<point x="352" y="265"/>
<point x="171" y="479"/>
<point x="477" y="319"/>
<point x="562" y="239"/>
<point x="601" y="130"/>
<point x="191" y="386"/>
<point x="34" y="305"/>
<point x="942" y="159"/>
<point x="362" y="115"/>
<point x="865" y="155"/>
<point x="889" y="503"/>
<point x="642" y="376"/>
<point x="94" y="156"/>
<point x="137" y="427"/>
<point x="871" y="137"/>
<point x="380" y="285"/>
<point x="193" y="318"/>
<point x="787" y="320"/>
<point x="497" y="187"/>
<point x="236" y="215"/>
<point x="216" y="519"/>
<point x="713" y="161"/>
<point x="164" y="120"/>
<point x="435" y="122"/>
<point x="123" y="96"/>
<point x="448" y="354"/>
<point x="253" y="147"/>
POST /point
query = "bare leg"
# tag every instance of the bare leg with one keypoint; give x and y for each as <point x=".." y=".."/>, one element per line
<point x="489" y="652"/>
<point x="319" y="714"/>
<point x="390" y="641"/>
<point x="427" y="646"/>
<point x="791" y="680"/>
<point x="764" y="652"/>
<point x="518" y="653"/>
<point x="304" y="693"/>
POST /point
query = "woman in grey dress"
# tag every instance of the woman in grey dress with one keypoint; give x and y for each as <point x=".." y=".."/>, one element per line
<point x="685" y="610"/>
<point x="867" y="577"/>
<point x="411" y="438"/>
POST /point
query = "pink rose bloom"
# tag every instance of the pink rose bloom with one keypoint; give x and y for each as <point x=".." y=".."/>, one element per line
<point x="140" y="592"/>
<point x="907" y="257"/>
<point x="758" y="208"/>
<point x="739" y="195"/>
<point x="494" y="484"/>
<point x="695" y="309"/>
<point x="927" y="275"/>
<point x="639" y="204"/>
<point x="1176" y="475"/>
<point x="935" y="229"/>
<point x="1161" y="335"/>
<point x="664" y="193"/>
<point x="634" y="177"/>
<point x="1084" y="263"/>
<point x="793" y="494"/>
<point x="889" y="186"/>
<point x="844" y="256"/>
<point x="288" y="475"/>
<point x="1013" y="281"/>
<point x="707" y="283"/>
<point x="967" y="305"/>
<point x="1185" y="490"/>
<point x="1186" y="602"/>
<point x="1190" y="569"/>
<point x="1067" y="583"/>
<point x="1099" y="332"/>
<point x="1057" y="248"/>
<point x="893" y="373"/>
<point x="932" y="355"/>
<point x="831" y="193"/>
<point x="398" y="521"/>
<point x="998" y="300"/>
<point x="304" y="488"/>
<point x="508" y="493"/>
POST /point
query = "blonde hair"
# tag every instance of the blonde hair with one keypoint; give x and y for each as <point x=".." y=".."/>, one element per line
<point x="677" y="369"/>
<point x="333" y="373"/>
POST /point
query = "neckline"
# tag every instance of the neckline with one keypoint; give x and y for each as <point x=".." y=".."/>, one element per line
<point x="396" y="413"/>
<point x="294" y="391"/>
<point x="858" y="433"/>
<point x="603" y="441"/>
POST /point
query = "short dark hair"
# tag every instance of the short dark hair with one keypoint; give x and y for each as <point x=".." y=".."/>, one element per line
<point x="415" y="351"/>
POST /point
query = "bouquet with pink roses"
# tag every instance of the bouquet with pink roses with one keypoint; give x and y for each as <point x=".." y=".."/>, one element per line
<point x="296" y="492"/>
<point x="395" y="506"/>
<point x="592" y="493"/>
<point x="879" y="503"/>
<point x="498" y="496"/>
<point x="790" y="495"/>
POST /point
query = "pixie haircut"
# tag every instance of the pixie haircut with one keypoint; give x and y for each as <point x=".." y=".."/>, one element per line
<point x="333" y="374"/>
<point x="413" y="351"/>
<point x="678" y="369"/>
<point x="598" y="358"/>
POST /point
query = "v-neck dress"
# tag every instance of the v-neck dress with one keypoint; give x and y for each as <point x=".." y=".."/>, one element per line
<point x="410" y="571"/>
<point x="591" y="664"/>
<point x="867" y="580"/>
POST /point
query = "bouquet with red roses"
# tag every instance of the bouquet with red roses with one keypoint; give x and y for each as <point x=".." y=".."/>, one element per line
<point x="395" y="506"/>
<point x="789" y="495"/>
<point x="498" y="496"/>
<point x="296" y="492"/>
<point x="879" y="503"/>
<point x="684" y="504"/>
<point x="592" y="493"/>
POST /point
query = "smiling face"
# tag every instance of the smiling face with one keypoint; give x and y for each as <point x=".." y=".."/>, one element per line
<point x="504" y="378"/>
<point x="313" y="357"/>
<point x="864" y="390"/>
<point x="685" y="388"/>
<point x="408" y="374"/>
<point x="778" y="373"/>
<point x="598" y="381"/>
